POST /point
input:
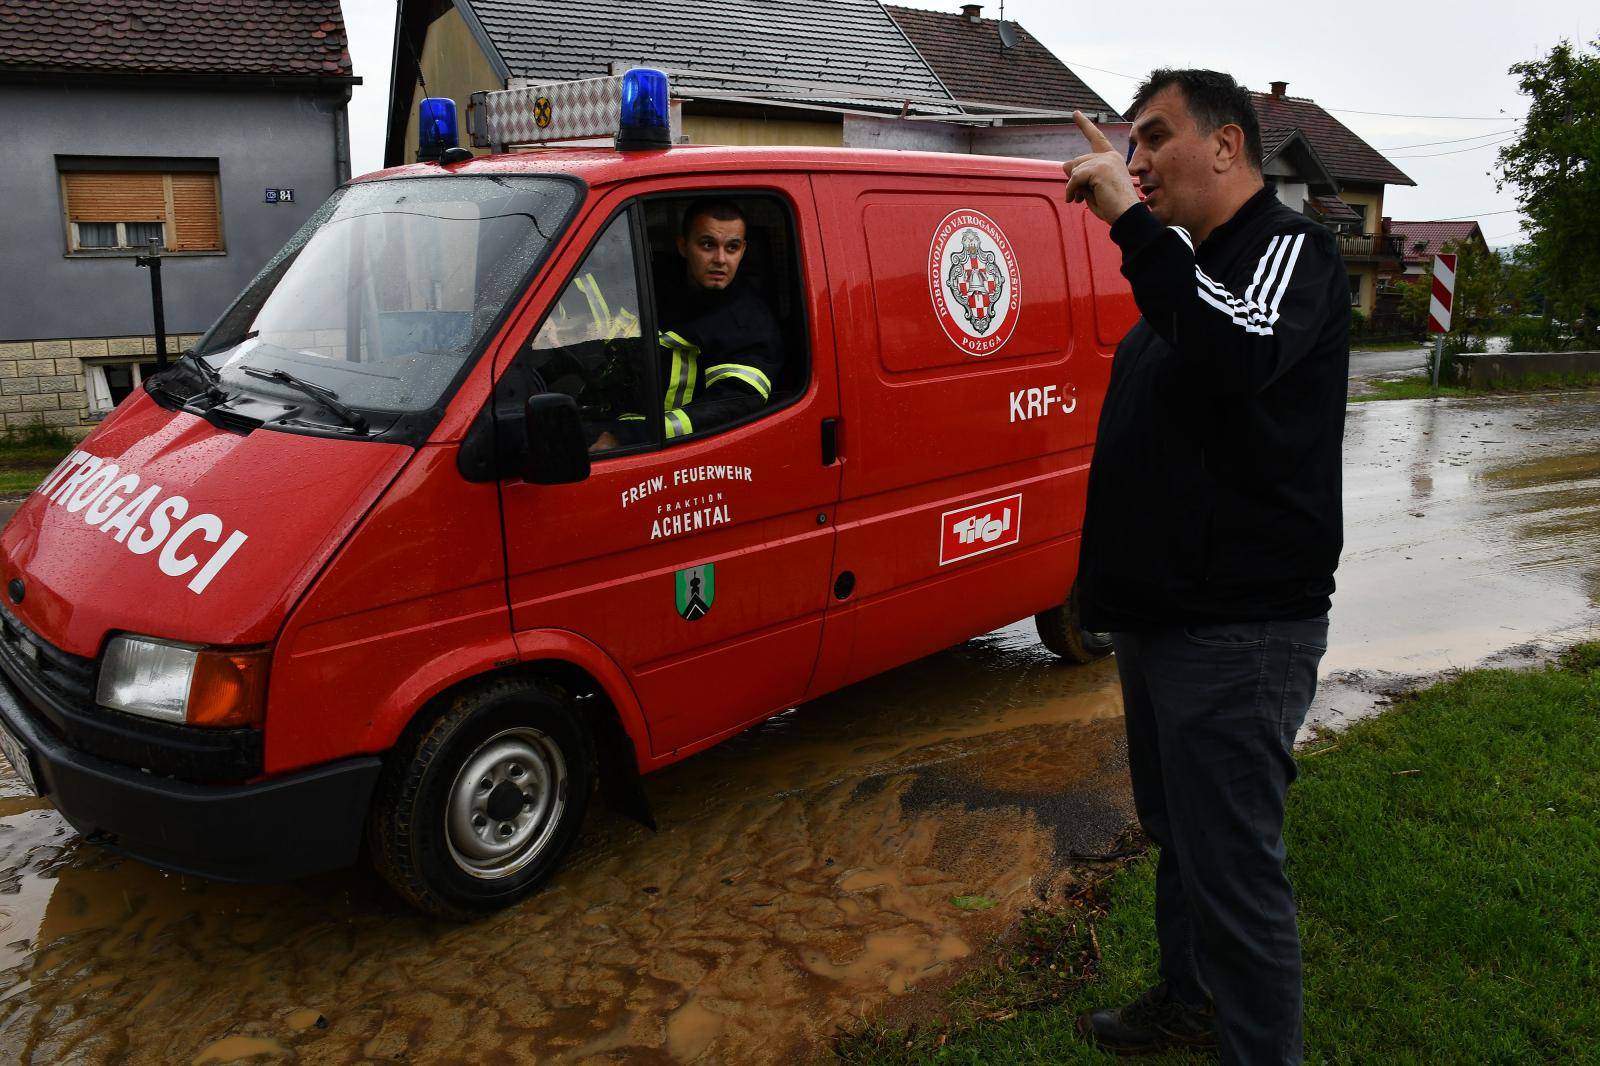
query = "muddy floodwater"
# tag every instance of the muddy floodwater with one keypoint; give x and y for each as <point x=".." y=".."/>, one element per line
<point x="803" y="873"/>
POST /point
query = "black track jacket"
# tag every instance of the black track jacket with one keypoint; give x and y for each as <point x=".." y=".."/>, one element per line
<point x="1214" y="494"/>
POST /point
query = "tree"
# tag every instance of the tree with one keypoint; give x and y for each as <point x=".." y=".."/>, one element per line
<point x="1555" y="166"/>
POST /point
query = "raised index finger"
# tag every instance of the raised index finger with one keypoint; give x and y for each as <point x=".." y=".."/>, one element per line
<point x="1091" y="133"/>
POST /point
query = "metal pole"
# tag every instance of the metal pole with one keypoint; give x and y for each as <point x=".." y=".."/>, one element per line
<point x="153" y="261"/>
<point x="1438" y="357"/>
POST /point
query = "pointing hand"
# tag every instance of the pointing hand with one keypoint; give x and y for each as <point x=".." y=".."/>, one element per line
<point x="1100" y="178"/>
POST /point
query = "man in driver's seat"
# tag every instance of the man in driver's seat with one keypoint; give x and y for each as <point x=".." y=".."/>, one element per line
<point x="720" y="346"/>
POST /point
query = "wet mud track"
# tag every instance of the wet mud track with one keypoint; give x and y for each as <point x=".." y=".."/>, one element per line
<point x="804" y="872"/>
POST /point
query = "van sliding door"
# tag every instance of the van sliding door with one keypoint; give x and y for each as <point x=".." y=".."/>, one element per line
<point x="966" y="397"/>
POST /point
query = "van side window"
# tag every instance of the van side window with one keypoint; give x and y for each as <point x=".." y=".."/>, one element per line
<point x="730" y="343"/>
<point x="589" y="345"/>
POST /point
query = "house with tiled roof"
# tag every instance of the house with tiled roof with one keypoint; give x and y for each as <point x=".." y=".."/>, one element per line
<point x="1353" y="208"/>
<point x="459" y="47"/>
<point x="976" y="62"/>
<point x="208" y="130"/>
<point x="845" y="73"/>
<point x="1421" y="241"/>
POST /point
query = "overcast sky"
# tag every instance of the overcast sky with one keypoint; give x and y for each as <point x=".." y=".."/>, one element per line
<point x="1405" y="59"/>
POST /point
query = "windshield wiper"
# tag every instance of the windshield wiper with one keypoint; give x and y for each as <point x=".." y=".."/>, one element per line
<point x="330" y="399"/>
<point x="208" y="374"/>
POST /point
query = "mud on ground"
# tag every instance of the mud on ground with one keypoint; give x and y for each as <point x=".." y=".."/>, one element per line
<point x="802" y="878"/>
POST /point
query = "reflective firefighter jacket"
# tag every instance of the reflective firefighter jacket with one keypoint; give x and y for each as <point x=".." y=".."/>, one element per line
<point x="720" y="358"/>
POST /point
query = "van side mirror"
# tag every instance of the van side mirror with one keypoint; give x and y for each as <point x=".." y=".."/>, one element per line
<point x="558" y="453"/>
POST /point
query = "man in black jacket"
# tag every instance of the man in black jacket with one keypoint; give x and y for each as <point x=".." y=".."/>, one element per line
<point x="1212" y="533"/>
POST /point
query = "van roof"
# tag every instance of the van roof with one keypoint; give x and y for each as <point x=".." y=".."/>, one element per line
<point x="603" y="166"/>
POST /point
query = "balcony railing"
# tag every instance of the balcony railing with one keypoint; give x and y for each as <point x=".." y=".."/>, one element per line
<point x="1371" y="246"/>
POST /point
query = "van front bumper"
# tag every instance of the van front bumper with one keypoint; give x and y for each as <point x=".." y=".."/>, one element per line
<point x="272" y="830"/>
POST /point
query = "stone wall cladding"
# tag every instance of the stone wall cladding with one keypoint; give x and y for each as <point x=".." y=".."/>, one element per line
<point x="46" y="381"/>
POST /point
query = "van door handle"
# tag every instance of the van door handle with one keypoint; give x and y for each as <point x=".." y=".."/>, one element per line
<point x="830" y="441"/>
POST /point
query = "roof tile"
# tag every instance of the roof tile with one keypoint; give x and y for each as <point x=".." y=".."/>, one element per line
<point x="1421" y="241"/>
<point x="836" y="41"/>
<point x="1347" y="157"/>
<point x="263" y="37"/>
<point x="969" y="59"/>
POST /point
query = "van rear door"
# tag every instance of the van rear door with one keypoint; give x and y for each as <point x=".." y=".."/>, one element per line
<point x="968" y="369"/>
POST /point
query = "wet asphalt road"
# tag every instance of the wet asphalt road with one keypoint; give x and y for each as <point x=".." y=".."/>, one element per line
<point x="803" y="872"/>
<point x="1365" y="366"/>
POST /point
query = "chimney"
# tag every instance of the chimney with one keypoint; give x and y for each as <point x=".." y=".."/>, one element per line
<point x="1279" y="88"/>
<point x="972" y="12"/>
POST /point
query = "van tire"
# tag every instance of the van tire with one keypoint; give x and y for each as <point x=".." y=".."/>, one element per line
<point x="1061" y="630"/>
<point x="434" y="836"/>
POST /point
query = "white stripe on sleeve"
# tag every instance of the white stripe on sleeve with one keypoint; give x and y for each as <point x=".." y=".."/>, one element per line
<point x="1258" y="310"/>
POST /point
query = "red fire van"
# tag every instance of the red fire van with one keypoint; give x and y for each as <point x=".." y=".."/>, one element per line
<point x="351" y="568"/>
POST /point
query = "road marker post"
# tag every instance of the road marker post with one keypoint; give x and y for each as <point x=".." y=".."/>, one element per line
<point x="1440" y="306"/>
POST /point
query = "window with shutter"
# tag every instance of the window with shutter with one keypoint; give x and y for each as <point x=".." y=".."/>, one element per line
<point x="111" y="210"/>
<point x="194" y="213"/>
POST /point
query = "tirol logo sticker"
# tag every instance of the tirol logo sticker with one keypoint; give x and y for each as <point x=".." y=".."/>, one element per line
<point x="974" y="281"/>
<point x="982" y="527"/>
<point x="697" y="590"/>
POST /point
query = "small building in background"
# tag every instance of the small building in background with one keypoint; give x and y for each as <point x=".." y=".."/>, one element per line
<point x="1421" y="241"/>
<point x="212" y="127"/>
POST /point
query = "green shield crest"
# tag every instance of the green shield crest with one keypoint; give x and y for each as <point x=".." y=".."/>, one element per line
<point x="697" y="590"/>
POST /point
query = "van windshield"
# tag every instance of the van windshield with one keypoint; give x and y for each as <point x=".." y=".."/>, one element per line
<point x="388" y="290"/>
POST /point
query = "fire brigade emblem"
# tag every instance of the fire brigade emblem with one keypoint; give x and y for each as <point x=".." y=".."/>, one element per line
<point x="697" y="589"/>
<point x="974" y="281"/>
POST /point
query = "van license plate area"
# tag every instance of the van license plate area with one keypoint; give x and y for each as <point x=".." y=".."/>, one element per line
<point x="18" y="757"/>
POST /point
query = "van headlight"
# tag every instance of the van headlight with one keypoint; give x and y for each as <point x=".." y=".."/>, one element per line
<point x="186" y="684"/>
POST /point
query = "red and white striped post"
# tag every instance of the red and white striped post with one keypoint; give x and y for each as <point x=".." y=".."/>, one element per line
<point x="1439" y="306"/>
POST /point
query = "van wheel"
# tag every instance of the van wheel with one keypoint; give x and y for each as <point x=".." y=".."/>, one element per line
<point x="1061" y="631"/>
<point x="475" y="810"/>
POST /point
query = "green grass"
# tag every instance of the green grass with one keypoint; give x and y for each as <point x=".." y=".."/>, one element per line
<point x="1388" y="346"/>
<point x="1410" y="388"/>
<point x="1418" y="388"/>
<point x="22" y="480"/>
<point x="27" y="454"/>
<point x="1447" y="861"/>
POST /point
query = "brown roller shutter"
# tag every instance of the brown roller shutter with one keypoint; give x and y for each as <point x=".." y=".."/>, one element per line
<point x="111" y="197"/>
<point x="194" y="211"/>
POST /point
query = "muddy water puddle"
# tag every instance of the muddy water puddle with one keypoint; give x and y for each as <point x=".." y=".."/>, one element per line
<point x="803" y="876"/>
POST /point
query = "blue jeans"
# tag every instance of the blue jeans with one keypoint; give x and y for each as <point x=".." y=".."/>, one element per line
<point x="1212" y="712"/>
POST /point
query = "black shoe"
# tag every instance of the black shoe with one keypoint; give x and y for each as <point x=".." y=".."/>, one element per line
<point x="1153" y="1022"/>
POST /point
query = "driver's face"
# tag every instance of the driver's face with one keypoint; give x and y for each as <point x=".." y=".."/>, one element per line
<point x="712" y="251"/>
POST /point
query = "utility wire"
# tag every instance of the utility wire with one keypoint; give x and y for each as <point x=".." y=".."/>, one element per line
<point x="1453" y="140"/>
<point x="1458" y="151"/>
<point x="1480" y="214"/>
<point x="1391" y="114"/>
<point x="1103" y="70"/>
<point x="1342" y="110"/>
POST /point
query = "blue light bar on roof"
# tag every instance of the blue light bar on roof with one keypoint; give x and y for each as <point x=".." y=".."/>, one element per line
<point x="436" y="127"/>
<point x="646" y="110"/>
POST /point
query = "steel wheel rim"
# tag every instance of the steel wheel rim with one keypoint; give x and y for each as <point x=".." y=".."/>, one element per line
<point x="519" y="767"/>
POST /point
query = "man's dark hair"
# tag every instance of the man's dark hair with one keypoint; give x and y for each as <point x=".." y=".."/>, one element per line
<point x="1215" y="100"/>
<point x="719" y="208"/>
